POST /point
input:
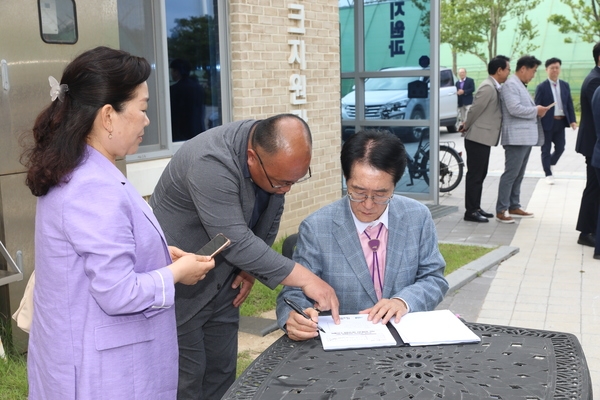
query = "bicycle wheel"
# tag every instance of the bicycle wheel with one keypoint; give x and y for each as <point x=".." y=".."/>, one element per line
<point x="451" y="169"/>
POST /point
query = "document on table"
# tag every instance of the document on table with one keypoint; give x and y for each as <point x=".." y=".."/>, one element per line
<point x="415" y="329"/>
<point x="354" y="332"/>
<point x="433" y="327"/>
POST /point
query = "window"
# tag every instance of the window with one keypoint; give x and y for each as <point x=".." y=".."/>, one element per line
<point x="182" y="41"/>
<point x="58" y="23"/>
<point x="194" y="66"/>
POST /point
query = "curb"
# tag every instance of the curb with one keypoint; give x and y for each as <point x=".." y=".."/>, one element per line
<point x="456" y="280"/>
<point x="472" y="270"/>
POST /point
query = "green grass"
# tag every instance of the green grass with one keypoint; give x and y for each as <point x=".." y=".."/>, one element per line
<point x="13" y="368"/>
<point x="457" y="255"/>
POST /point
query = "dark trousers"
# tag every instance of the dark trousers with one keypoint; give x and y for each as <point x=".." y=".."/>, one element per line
<point x="478" y="159"/>
<point x="590" y="201"/>
<point x="208" y="346"/>
<point x="555" y="135"/>
<point x="597" y="248"/>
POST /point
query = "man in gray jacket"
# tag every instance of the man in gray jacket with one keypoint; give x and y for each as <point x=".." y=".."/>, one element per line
<point x="521" y="129"/>
<point x="232" y="180"/>
<point x="482" y="129"/>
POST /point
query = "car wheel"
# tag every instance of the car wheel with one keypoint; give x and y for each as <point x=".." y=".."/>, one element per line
<point x="414" y="134"/>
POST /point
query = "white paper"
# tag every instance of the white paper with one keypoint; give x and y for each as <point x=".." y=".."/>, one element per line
<point x="354" y="332"/>
<point x="433" y="327"/>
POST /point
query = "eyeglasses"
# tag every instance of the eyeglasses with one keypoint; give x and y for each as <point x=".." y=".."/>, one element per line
<point x="359" y="198"/>
<point x="286" y="184"/>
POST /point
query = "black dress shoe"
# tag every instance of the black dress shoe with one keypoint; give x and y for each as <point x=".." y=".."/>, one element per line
<point x="485" y="214"/>
<point x="587" y="239"/>
<point x="475" y="217"/>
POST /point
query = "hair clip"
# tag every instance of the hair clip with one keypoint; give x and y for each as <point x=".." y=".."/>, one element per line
<point x="57" y="90"/>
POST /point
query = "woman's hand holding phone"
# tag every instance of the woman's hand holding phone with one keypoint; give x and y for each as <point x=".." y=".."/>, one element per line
<point x="189" y="268"/>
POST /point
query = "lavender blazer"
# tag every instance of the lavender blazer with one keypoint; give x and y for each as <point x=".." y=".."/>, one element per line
<point x="104" y="321"/>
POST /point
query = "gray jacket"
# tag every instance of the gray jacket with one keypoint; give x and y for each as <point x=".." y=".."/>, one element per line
<point x="520" y="124"/>
<point x="484" y="119"/>
<point x="206" y="189"/>
<point x="329" y="246"/>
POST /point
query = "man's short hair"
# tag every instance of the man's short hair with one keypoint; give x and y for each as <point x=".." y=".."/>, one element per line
<point x="496" y="63"/>
<point x="266" y="133"/>
<point x="551" y="61"/>
<point x="380" y="149"/>
<point x="596" y="52"/>
<point x="528" y="62"/>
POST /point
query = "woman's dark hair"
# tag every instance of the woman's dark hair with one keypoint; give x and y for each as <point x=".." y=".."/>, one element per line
<point x="379" y="149"/>
<point x="95" y="78"/>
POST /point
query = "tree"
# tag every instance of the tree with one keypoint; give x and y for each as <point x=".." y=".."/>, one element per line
<point x="585" y="22"/>
<point x="472" y="26"/>
<point x="193" y="39"/>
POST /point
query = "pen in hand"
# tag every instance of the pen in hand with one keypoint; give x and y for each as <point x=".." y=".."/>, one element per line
<point x="297" y="308"/>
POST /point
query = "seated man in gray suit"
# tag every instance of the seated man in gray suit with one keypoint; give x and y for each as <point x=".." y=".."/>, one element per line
<point x="521" y="129"/>
<point x="379" y="251"/>
<point x="232" y="180"/>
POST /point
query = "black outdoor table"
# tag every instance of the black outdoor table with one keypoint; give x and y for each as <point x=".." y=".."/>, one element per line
<point x="509" y="363"/>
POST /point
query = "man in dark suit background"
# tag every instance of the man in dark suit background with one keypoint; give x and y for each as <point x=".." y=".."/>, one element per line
<point x="586" y="140"/>
<point x="465" y="87"/>
<point x="562" y="115"/>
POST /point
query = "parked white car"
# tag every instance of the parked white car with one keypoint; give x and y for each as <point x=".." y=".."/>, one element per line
<point x="390" y="98"/>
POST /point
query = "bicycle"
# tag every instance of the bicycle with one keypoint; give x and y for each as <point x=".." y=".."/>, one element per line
<point x="451" y="164"/>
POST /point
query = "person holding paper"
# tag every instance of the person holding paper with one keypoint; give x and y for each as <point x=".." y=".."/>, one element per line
<point x="377" y="249"/>
<point x="556" y="94"/>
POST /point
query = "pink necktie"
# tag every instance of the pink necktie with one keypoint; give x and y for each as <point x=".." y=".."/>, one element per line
<point x="377" y="240"/>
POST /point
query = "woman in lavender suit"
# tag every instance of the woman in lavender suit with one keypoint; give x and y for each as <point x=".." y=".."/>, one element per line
<point x="104" y="321"/>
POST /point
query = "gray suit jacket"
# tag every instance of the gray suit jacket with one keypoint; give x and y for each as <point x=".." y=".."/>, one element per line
<point x="206" y="189"/>
<point x="520" y="124"/>
<point x="484" y="119"/>
<point x="328" y="245"/>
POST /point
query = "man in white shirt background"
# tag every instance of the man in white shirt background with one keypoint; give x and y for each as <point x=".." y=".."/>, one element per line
<point x="562" y="115"/>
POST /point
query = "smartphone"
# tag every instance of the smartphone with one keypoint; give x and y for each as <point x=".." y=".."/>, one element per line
<point x="551" y="105"/>
<point x="215" y="246"/>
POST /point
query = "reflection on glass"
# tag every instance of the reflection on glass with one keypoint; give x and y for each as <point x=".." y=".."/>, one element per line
<point x="417" y="173"/>
<point x="193" y="51"/>
<point x="187" y="102"/>
<point x="394" y="35"/>
<point x="58" y="23"/>
<point x="347" y="60"/>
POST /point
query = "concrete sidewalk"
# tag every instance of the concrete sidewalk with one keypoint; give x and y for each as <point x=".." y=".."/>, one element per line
<point x="551" y="282"/>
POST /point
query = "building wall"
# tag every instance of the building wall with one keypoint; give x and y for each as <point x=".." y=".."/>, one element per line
<point x="260" y="75"/>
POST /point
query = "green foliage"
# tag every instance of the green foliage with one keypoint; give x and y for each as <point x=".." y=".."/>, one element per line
<point x="13" y="369"/>
<point x="584" y="23"/>
<point x="13" y="384"/>
<point x="243" y="361"/>
<point x="472" y="26"/>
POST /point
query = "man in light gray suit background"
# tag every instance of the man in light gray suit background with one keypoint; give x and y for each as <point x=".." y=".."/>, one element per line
<point x="232" y="180"/>
<point x="378" y="250"/>
<point x="482" y="129"/>
<point x="521" y="129"/>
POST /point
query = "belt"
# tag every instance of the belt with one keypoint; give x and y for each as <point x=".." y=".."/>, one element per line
<point x="559" y="117"/>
